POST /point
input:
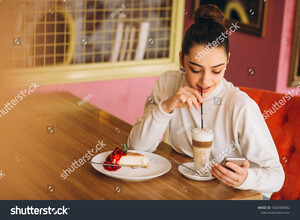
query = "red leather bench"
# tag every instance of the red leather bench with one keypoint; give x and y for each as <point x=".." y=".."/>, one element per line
<point x="284" y="125"/>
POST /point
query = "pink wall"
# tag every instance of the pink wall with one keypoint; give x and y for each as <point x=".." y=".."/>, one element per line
<point x="286" y="46"/>
<point x="123" y="98"/>
<point x="268" y="56"/>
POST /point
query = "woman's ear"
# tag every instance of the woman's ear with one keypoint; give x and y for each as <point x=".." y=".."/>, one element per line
<point x="180" y="58"/>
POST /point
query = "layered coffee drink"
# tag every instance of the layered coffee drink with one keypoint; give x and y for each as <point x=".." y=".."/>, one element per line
<point x="202" y="141"/>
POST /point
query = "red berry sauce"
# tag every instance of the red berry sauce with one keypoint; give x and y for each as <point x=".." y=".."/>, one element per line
<point x="115" y="156"/>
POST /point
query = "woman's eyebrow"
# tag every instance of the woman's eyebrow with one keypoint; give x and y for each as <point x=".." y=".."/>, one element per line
<point x="202" y="66"/>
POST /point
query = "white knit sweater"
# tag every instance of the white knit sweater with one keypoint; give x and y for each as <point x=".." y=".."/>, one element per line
<point x="240" y="130"/>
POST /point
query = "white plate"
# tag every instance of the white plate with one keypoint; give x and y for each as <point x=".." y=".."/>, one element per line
<point x="192" y="175"/>
<point x="158" y="166"/>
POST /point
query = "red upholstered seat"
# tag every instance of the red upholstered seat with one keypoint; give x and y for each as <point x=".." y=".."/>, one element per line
<point x="284" y="125"/>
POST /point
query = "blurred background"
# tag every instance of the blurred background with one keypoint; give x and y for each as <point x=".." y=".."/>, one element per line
<point x="112" y="51"/>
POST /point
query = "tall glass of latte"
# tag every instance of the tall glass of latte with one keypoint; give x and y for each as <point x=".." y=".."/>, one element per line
<point x="202" y="140"/>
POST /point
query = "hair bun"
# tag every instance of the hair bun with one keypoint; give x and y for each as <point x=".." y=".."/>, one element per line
<point x="209" y="12"/>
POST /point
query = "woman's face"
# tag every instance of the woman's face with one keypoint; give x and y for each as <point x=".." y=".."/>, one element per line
<point x="206" y="72"/>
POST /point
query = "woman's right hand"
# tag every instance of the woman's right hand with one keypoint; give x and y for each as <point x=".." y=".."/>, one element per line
<point x="184" y="97"/>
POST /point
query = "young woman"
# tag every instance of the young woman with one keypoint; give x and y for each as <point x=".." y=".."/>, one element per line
<point x="232" y="114"/>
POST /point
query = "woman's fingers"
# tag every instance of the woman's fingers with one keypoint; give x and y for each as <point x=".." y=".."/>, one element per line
<point x="195" y="93"/>
<point x="246" y="164"/>
<point x="228" y="177"/>
<point x="236" y="168"/>
<point x="222" y="178"/>
<point x="184" y="102"/>
<point x="196" y="103"/>
<point x="188" y="97"/>
<point x="182" y="98"/>
<point x="227" y="173"/>
<point x="193" y="98"/>
<point x="190" y="103"/>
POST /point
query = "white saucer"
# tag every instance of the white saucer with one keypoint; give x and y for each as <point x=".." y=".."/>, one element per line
<point x="192" y="175"/>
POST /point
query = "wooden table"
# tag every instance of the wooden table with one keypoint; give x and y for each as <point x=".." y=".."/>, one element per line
<point x="43" y="134"/>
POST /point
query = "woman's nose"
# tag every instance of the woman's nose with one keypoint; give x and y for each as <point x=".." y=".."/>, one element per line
<point x="205" y="78"/>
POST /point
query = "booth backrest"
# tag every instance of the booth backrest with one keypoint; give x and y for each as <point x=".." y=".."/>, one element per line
<point x="282" y="115"/>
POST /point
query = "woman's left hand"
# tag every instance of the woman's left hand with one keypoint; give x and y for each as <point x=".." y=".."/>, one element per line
<point x="229" y="177"/>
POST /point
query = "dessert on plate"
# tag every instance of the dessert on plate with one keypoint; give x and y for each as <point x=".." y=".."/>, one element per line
<point x="122" y="157"/>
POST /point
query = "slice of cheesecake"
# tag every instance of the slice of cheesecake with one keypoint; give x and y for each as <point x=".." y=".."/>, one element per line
<point x="133" y="159"/>
<point x="119" y="157"/>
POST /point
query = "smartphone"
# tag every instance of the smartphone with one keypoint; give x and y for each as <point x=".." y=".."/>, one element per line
<point x="236" y="160"/>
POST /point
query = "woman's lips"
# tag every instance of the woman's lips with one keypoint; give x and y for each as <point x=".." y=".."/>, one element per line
<point x="205" y="89"/>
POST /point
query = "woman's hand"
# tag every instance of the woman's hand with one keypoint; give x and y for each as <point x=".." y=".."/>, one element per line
<point x="185" y="96"/>
<point x="227" y="176"/>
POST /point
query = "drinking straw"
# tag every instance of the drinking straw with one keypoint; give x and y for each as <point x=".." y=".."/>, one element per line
<point x="201" y="110"/>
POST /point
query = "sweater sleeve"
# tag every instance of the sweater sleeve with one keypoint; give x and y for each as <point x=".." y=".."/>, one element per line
<point x="265" y="174"/>
<point x="149" y="129"/>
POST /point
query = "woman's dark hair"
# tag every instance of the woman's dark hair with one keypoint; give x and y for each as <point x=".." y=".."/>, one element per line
<point x="208" y="27"/>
